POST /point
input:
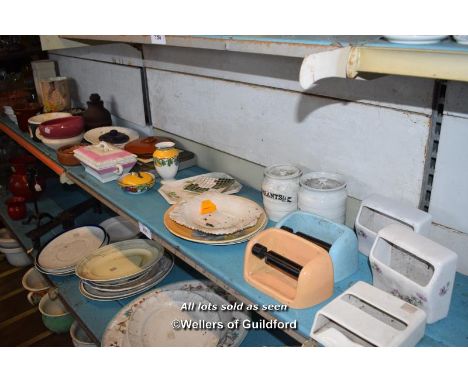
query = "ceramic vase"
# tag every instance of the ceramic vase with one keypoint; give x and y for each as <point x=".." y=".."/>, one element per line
<point x="166" y="160"/>
<point x="96" y="115"/>
<point x="55" y="94"/>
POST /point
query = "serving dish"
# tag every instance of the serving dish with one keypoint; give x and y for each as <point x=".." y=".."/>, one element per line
<point x="55" y="144"/>
<point x="62" y="253"/>
<point x="119" y="261"/>
<point x="231" y="214"/>
<point x="116" y="331"/>
<point x="153" y="277"/>
<point x="41" y="118"/>
<point x="92" y="136"/>
<point x="136" y="182"/>
<point x="66" y="156"/>
<point x="415" y="39"/>
<point x="150" y="323"/>
<point x="120" y="228"/>
<point x="145" y="147"/>
<point x="205" y="238"/>
<point x="61" y="128"/>
<point x="155" y="273"/>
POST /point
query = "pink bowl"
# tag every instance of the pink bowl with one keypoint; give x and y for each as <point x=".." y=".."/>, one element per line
<point x="62" y="127"/>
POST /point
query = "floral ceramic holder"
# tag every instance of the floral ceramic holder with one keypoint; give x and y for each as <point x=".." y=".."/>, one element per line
<point x="290" y="269"/>
<point x="166" y="160"/>
<point x="415" y="269"/>
<point x="366" y="316"/>
<point x="377" y="212"/>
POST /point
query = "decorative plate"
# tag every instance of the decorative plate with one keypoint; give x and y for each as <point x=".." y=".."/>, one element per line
<point x="120" y="228"/>
<point x="116" y="331"/>
<point x="232" y="214"/>
<point x="92" y="136"/>
<point x="150" y="323"/>
<point x="185" y="189"/>
<point x="120" y="261"/>
<point x="67" y="249"/>
<point x="206" y="238"/>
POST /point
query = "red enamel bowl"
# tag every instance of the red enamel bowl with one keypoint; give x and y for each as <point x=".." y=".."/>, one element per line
<point x="59" y="128"/>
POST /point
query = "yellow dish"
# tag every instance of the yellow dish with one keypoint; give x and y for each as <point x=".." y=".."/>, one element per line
<point x="136" y="179"/>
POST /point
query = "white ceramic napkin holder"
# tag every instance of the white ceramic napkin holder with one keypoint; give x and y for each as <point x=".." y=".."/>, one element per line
<point x="366" y="316"/>
<point x="415" y="269"/>
<point x="377" y="212"/>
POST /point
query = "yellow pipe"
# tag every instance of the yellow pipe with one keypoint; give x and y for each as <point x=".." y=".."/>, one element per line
<point x="408" y="62"/>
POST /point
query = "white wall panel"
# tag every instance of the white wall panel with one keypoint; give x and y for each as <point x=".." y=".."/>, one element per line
<point x="456" y="99"/>
<point x="119" y="86"/>
<point x="449" y="197"/>
<point x="404" y="93"/>
<point x="378" y="149"/>
<point x="456" y="241"/>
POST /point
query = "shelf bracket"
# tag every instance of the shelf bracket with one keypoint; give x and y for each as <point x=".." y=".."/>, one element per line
<point x="349" y="62"/>
<point x="325" y="64"/>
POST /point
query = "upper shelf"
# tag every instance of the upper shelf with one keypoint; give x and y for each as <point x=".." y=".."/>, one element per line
<point x="324" y="56"/>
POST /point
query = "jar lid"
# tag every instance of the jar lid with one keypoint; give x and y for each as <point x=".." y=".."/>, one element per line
<point x="283" y="171"/>
<point x="323" y="181"/>
<point x="136" y="179"/>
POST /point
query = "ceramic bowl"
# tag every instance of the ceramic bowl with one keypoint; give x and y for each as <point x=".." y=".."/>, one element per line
<point x="62" y="127"/>
<point x="35" y="122"/>
<point x="7" y="240"/>
<point x="55" y="144"/>
<point x="34" y="282"/>
<point x="65" y="155"/>
<point x="79" y="336"/>
<point x="54" y="315"/>
<point x="16" y="256"/>
<point x="127" y="185"/>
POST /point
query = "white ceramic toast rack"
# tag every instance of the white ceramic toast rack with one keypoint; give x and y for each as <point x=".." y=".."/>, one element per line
<point x="366" y="316"/>
<point x="415" y="269"/>
<point x="377" y="212"/>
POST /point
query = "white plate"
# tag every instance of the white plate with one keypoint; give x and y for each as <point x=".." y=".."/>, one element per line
<point x="116" y="331"/>
<point x="92" y="136"/>
<point x="67" y="249"/>
<point x="120" y="228"/>
<point x="120" y="261"/>
<point x="150" y="323"/>
<point x="415" y="39"/>
<point x="233" y="213"/>
<point x="155" y="276"/>
<point x="6" y="240"/>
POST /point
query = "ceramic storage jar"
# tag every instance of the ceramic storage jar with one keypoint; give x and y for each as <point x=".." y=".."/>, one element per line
<point x="280" y="188"/>
<point x="324" y="194"/>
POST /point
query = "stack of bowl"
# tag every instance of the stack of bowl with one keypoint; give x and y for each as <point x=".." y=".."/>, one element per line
<point x="61" y="132"/>
<point x="35" y="122"/>
<point x="14" y="254"/>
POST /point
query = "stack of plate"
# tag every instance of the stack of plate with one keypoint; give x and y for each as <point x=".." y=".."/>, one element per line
<point x="234" y="220"/>
<point x="148" y="320"/>
<point x="123" y="269"/>
<point x="61" y="254"/>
